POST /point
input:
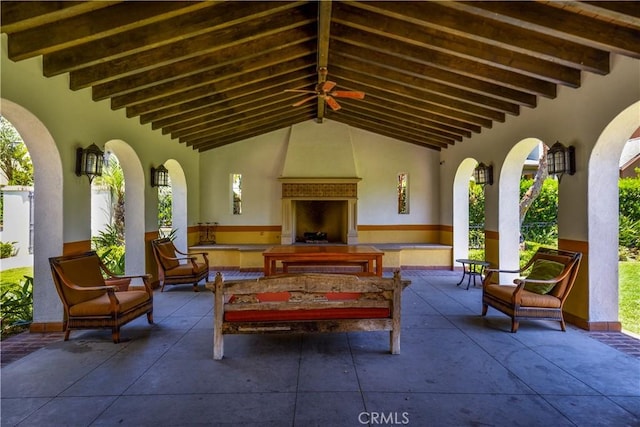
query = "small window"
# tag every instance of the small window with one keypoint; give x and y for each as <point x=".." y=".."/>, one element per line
<point x="236" y="189"/>
<point x="403" y="193"/>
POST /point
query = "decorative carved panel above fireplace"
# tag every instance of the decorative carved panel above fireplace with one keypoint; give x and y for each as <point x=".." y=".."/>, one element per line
<point x="319" y="190"/>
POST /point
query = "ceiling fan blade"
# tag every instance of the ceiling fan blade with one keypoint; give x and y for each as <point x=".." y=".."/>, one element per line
<point x="299" y="103"/>
<point x="347" y="94"/>
<point x="332" y="103"/>
<point x="300" y="91"/>
<point x="328" y="85"/>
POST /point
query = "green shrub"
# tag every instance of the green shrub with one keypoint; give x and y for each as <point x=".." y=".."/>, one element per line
<point x="629" y="191"/>
<point x="544" y="208"/>
<point x="629" y="232"/>
<point x="110" y="248"/>
<point x="8" y="249"/>
<point x="16" y="312"/>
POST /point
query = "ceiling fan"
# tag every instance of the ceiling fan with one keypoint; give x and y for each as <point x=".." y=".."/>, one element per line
<point x="324" y="90"/>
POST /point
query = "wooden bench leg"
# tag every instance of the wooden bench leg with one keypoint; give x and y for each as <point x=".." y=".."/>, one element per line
<point x="395" y="341"/>
<point x="218" y="346"/>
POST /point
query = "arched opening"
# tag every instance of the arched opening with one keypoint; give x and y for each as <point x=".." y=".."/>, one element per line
<point x="461" y="208"/>
<point x="538" y="204"/>
<point x="629" y="236"/>
<point x="48" y="209"/>
<point x="178" y="203"/>
<point x="134" y="205"/>
<point x="603" y="216"/>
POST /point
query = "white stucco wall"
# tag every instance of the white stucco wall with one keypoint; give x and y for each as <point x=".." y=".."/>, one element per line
<point x="378" y="160"/>
<point x="74" y="120"/>
<point x="575" y="117"/>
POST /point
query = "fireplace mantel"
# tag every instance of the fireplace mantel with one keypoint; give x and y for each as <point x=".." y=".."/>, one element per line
<point x="318" y="189"/>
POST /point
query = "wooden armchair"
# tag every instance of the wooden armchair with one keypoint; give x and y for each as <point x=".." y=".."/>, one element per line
<point x="541" y="294"/>
<point x="174" y="269"/>
<point x="94" y="298"/>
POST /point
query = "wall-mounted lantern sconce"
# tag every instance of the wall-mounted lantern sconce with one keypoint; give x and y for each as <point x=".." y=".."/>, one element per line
<point x="561" y="160"/>
<point x="89" y="161"/>
<point x="159" y="176"/>
<point x="483" y="174"/>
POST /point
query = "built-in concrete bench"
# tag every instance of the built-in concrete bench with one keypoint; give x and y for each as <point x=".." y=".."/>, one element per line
<point x="309" y="302"/>
<point x="248" y="257"/>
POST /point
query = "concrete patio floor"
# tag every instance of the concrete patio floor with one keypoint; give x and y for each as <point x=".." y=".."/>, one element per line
<point x="456" y="368"/>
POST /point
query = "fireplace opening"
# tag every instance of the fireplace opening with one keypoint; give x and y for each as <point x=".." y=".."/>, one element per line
<point x="321" y="221"/>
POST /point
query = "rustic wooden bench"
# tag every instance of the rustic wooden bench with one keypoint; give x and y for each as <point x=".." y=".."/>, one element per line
<point x="306" y="302"/>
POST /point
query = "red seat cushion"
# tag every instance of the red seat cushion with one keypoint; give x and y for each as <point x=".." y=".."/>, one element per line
<point x="312" y="314"/>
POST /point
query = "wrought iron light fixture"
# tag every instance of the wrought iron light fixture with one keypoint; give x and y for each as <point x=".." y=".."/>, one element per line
<point x="483" y="174"/>
<point x="159" y="176"/>
<point x="89" y="161"/>
<point x="561" y="160"/>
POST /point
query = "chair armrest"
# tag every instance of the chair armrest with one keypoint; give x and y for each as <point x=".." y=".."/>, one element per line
<point x="146" y="280"/>
<point x="496" y="270"/>
<point x="489" y="272"/>
<point x="516" y="297"/>
<point x="90" y="288"/>
<point x="536" y="281"/>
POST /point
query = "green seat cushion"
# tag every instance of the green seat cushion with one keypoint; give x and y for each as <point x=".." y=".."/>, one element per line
<point x="543" y="269"/>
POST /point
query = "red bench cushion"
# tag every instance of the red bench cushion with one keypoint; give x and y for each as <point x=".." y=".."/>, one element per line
<point x="311" y="314"/>
<point x="314" y="314"/>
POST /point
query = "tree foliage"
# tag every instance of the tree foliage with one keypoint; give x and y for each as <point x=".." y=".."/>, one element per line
<point x="15" y="161"/>
<point x="113" y="178"/>
<point x="629" y="190"/>
<point x="544" y="207"/>
<point x="629" y="233"/>
<point x="476" y="203"/>
<point x="164" y="206"/>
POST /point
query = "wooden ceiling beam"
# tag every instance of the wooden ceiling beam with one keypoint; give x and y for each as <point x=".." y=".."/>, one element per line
<point x="440" y="93"/>
<point x="148" y="68"/>
<point x="481" y="52"/>
<point x="466" y="67"/>
<point x="429" y="72"/>
<point x="232" y="102"/>
<point x="21" y="16"/>
<point x="226" y="76"/>
<point x="444" y="114"/>
<point x="264" y="113"/>
<point x="240" y="132"/>
<point x="412" y="91"/>
<point x="245" y="75"/>
<point x="395" y="126"/>
<point x="443" y="16"/>
<point x="621" y="12"/>
<point x="373" y="128"/>
<point x="560" y="23"/>
<point x="92" y="26"/>
<point x="175" y="37"/>
<point x="386" y="106"/>
<point x="324" y="26"/>
<point x="381" y="112"/>
<point x="257" y="132"/>
<point x="200" y="104"/>
<point x="196" y="76"/>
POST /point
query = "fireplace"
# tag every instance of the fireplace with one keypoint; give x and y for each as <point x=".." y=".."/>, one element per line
<point x="319" y="210"/>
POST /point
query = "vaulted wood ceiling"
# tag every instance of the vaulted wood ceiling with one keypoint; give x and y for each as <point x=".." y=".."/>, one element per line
<point x="214" y="73"/>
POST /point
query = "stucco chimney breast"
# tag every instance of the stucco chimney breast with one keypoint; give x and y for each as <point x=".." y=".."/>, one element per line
<point x="319" y="183"/>
<point x="319" y="150"/>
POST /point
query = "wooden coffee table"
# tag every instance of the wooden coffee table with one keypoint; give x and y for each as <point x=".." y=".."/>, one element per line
<point x="323" y="255"/>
